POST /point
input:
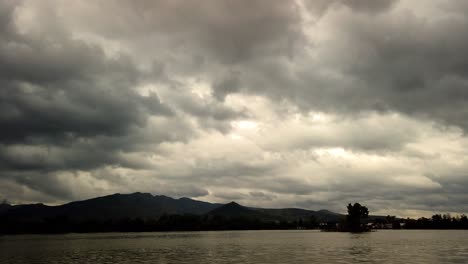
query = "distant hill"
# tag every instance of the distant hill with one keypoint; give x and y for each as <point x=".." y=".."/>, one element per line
<point x="292" y="214"/>
<point x="116" y="206"/>
<point x="235" y="210"/>
<point x="148" y="206"/>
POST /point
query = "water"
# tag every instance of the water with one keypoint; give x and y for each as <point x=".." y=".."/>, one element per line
<point x="390" y="246"/>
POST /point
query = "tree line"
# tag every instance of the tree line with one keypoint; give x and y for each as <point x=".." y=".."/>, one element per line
<point x="63" y="224"/>
<point x="357" y="220"/>
<point x="438" y="221"/>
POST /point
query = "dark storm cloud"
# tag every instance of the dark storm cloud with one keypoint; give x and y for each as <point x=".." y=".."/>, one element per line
<point x="61" y="102"/>
<point x="232" y="30"/>
<point x="361" y="56"/>
<point x="202" y="109"/>
<point x="369" y="5"/>
<point x="59" y="88"/>
<point x="227" y="85"/>
<point x="67" y="106"/>
<point x="401" y="60"/>
<point x="318" y="7"/>
<point x="45" y="183"/>
<point x="166" y="97"/>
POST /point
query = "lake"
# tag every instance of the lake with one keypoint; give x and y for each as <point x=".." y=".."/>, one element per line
<point x="301" y="246"/>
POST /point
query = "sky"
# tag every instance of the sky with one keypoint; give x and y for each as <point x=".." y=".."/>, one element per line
<point x="269" y="103"/>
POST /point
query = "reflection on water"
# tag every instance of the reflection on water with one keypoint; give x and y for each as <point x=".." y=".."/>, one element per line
<point x="390" y="246"/>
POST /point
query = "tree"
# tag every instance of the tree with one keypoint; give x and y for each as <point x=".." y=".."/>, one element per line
<point x="355" y="213"/>
<point x="463" y="219"/>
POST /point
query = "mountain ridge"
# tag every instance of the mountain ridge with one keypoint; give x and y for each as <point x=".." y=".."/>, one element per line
<point x="149" y="206"/>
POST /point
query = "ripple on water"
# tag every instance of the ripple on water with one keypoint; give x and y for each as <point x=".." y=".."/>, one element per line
<point x="392" y="246"/>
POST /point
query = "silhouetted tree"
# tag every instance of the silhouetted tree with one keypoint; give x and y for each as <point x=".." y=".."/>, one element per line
<point x="355" y="213"/>
<point x="463" y="219"/>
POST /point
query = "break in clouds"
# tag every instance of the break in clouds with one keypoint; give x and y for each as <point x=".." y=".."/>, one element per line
<point x="306" y="103"/>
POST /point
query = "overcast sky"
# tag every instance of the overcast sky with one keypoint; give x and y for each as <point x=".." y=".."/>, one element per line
<point x="308" y="103"/>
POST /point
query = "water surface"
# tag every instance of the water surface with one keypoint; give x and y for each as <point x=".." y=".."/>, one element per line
<point x="388" y="246"/>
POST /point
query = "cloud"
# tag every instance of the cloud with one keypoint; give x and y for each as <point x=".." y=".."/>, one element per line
<point x="270" y="103"/>
<point x="319" y="7"/>
<point x="402" y="60"/>
<point x="67" y="106"/>
<point x="231" y="31"/>
<point x="65" y="88"/>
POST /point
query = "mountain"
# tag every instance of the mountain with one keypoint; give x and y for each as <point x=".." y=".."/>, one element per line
<point x="146" y="212"/>
<point x="148" y="206"/>
<point x="293" y="214"/>
<point x="116" y="206"/>
<point x="235" y="210"/>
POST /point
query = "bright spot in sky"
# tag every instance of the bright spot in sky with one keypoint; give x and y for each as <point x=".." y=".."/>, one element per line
<point x="245" y="125"/>
<point x="334" y="152"/>
<point x="235" y="137"/>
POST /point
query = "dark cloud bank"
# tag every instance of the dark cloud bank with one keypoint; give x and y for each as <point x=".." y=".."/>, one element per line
<point x="271" y="103"/>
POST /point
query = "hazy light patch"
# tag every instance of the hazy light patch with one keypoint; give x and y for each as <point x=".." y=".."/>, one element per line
<point x="200" y="88"/>
<point x="235" y="137"/>
<point x="412" y="213"/>
<point x="333" y="152"/>
<point x="416" y="181"/>
<point x="308" y="20"/>
<point x="262" y="108"/>
<point x="148" y="89"/>
<point x="245" y="125"/>
<point x="325" y="130"/>
<point x="449" y="145"/>
<point x="82" y="184"/>
<point x="319" y="117"/>
<point x="244" y="129"/>
<point x="25" y="17"/>
<point x="30" y="88"/>
<point x="25" y="195"/>
<point x="111" y="48"/>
